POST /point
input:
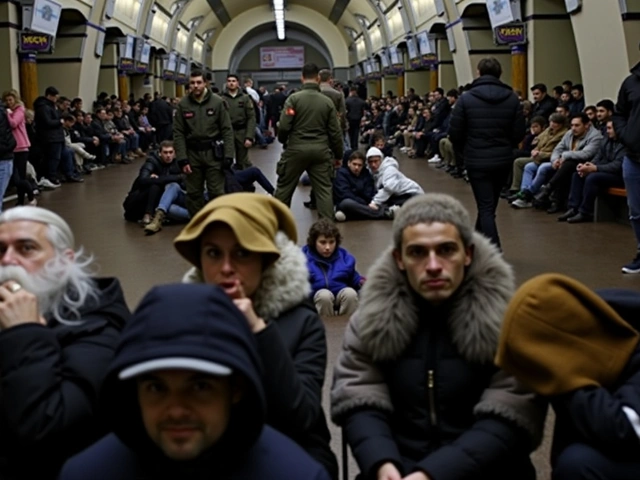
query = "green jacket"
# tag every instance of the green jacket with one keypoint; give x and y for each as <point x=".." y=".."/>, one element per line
<point x="202" y="121"/>
<point x="242" y="113"/>
<point x="338" y="100"/>
<point x="309" y="117"/>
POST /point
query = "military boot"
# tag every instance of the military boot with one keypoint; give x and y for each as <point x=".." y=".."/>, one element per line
<point x="156" y="224"/>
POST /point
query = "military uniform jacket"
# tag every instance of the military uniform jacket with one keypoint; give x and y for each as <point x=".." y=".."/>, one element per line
<point x="309" y="117"/>
<point x="241" y="112"/>
<point x="201" y="121"/>
<point x="338" y="100"/>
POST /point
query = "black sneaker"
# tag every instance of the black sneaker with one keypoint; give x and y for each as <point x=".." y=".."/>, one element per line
<point x="634" y="266"/>
<point x="310" y="205"/>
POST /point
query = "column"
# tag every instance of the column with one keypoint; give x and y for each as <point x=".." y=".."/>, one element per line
<point x="519" y="68"/>
<point x="180" y="90"/>
<point x="123" y="86"/>
<point x="28" y="78"/>
<point x="400" y="81"/>
<point x="433" y="78"/>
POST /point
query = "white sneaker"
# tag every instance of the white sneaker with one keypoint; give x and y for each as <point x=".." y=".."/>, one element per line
<point x="404" y="149"/>
<point x="33" y="202"/>
<point x="434" y="159"/>
<point x="520" y="204"/>
<point x="46" y="183"/>
<point x="393" y="210"/>
<point x="340" y="216"/>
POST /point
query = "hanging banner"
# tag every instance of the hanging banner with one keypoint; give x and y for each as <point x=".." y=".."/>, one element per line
<point x="499" y="12"/>
<point x="33" y="42"/>
<point x="512" y="34"/>
<point x="397" y="60"/>
<point x="412" y="49"/>
<point x="45" y="17"/>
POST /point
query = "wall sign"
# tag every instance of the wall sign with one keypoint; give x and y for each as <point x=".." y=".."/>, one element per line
<point x="34" y="42"/>
<point x="512" y="34"/>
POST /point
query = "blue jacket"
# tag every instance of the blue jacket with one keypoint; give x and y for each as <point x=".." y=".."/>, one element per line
<point x="200" y="322"/>
<point x="347" y="185"/>
<point x="333" y="273"/>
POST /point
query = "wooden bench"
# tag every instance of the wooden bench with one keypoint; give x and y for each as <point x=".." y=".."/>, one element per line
<point x="612" y="207"/>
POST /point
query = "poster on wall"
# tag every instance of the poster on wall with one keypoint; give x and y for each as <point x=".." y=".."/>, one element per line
<point x="46" y="16"/>
<point x="424" y="45"/>
<point x="412" y="49"/>
<point x="281" y="57"/>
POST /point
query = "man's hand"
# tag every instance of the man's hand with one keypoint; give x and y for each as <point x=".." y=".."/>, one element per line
<point x="186" y="169"/>
<point x="556" y="163"/>
<point x="388" y="471"/>
<point x="535" y="153"/>
<point x="417" y="476"/>
<point x="248" y="143"/>
<point x="153" y="175"/>
<point x="245" y="305"/>
<point x="374" y="206"/>
<point x="17" y="306"/>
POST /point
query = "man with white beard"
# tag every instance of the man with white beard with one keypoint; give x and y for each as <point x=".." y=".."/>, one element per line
<point x="58" y="330"/>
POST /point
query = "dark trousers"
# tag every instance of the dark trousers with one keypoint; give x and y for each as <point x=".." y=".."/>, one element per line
<point x="486" y="186"/>
<point x="53" y="153"/>
<point x="19" y="176"/>
<point x="357" y="211"/>
<point x="142" y="201"/>
<point x="422" y="143"/>
<point x="251" y="175"/>
<point x="354" y="133"/>
<point x="582" y="462"/>
<point x="560" y="183"/>
<point x="434" y="143"/>
<point x="585" y="190"/>
<point x="164" y="132"/>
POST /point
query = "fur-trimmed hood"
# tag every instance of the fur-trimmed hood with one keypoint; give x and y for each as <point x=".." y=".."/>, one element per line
<point x="284" y="284"/>
<point x="388" y="316"/>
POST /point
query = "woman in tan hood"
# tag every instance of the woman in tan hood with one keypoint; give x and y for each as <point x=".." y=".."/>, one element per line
<point x="245" y="244"/>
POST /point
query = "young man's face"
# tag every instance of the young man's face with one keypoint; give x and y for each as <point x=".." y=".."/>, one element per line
<point x="577" y="127"/>
<point x="591" y="113"/>
<point x="602" y="114"/>
<point x="565" y="97"/>
<point x="537" y="95"/>
<point x="197" y="85"/>
<point x="325" y="246"/>
<point x="232" y="84"/>
<point x="536" y="128"/>
<point x="374" y="163"/>
<point x="434" y="259"/>
<point x="185" y="412"/>
<point x="167" y="154"/>
<point x="577" y="94"/>
<point x="355" y="166"/>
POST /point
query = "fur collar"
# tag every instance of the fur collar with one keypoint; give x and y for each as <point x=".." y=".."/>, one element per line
<point x="388" y="315"/>
<point x="284" y="285"/>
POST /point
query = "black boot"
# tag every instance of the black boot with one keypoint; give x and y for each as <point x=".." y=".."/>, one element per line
<point x="567" y="215"/>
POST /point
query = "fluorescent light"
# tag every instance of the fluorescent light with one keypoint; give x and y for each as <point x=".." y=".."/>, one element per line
<point x="278" y="13"/>
<point x="278" y="4"/>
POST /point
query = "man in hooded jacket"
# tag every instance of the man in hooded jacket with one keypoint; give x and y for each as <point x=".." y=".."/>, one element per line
<point x="487" y="124"/>
<point x="185" y="399"/>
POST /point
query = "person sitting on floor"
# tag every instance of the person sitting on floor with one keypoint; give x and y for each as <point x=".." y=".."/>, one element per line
<point x="332" y="271"/>
<point x="579" y="349"/>
<point x="393" y="187"/>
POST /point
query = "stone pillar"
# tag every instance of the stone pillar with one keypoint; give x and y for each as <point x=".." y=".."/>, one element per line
<point x="434" y="80"/>
<point x="519" y="68"/>
<point x="400" y="81"/>
<point x="28" y="78"/>
<point x="180" y="90"/>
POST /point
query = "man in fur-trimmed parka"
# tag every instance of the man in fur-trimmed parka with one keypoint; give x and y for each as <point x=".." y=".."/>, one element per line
<point x="415" y="387"/>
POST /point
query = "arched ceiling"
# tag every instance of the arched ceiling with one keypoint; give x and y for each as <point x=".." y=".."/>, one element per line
<point x="327" y="17"/>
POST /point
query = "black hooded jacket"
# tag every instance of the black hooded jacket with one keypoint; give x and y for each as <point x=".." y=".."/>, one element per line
<point x="626" y="117"/>
<point x="47" y="120"/>
<point x="50" y="378"/>
<point x="487" y="123"/>
<point x="7" y="140"/>
<point x="165" y="173"/>
<point x="199" y="322"/>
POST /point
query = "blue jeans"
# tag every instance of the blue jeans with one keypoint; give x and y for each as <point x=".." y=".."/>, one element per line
<point x="631" y="175"/>
<point x="543" y="175"/>
<point x="528" y="175"/>
<point x="6" y="170"/>
<point x="173" y="202"/>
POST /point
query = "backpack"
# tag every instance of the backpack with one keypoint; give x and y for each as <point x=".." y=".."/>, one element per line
<point x="7" y="140"/>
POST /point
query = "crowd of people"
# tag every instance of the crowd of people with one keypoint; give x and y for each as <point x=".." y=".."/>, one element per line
<point x="446" y="370"/>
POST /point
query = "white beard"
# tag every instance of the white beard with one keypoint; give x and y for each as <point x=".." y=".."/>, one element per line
<point x="48" y="285"/>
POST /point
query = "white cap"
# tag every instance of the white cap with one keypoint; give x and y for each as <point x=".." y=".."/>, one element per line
<point x="374" y="152"/>
<point x="175" y="363"/>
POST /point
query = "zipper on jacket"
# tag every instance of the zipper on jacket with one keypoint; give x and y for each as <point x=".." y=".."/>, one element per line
<point x="431" y="383"/>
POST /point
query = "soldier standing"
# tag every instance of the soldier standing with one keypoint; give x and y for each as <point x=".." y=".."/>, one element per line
<point x="311" y="135"/>
<point x="243" y="120"/>
<point x="201" y="123"/>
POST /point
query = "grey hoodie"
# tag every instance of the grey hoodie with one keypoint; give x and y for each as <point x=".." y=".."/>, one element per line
<point x="586" y="149"/>
<point x="390" y="181"/>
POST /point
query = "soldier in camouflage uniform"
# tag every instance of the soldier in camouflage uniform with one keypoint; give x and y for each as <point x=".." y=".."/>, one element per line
<point x="202" y="119"/>
<point x="243" y="120"/>
<point x="310" y="132"/>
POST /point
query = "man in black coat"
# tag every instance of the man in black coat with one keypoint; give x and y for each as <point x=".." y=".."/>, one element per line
<point x="146" y="191"/>
<point x="353" y="190"/>
<point x="487" y="124"/>
<point x="355" y="111"/>
<point x="415" y="387"/>
<point x="161" y="117"/>
<point x="49" y="131"/>
<point x="58" y="332"/>
<point x="544" y="105"/>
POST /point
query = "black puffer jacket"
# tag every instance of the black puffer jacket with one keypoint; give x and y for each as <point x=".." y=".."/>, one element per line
<point x="165" y="172"/>
<point x="47" y="120"/>
<point x="50" y="379"/>
<point x="487" y="124"/>
<point x="7" y="140"/>
<point x="626" y="118"/>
